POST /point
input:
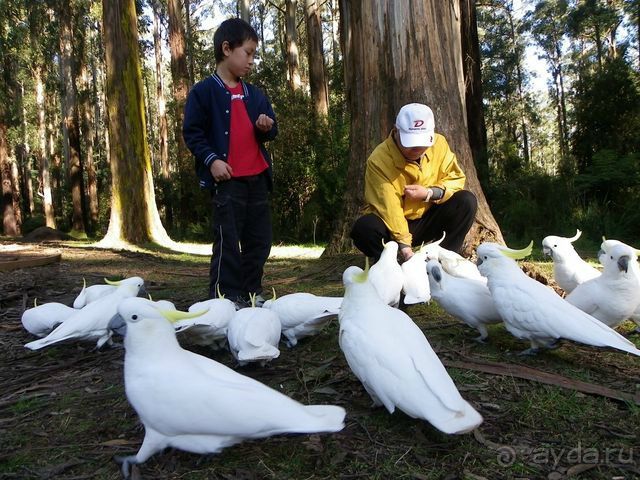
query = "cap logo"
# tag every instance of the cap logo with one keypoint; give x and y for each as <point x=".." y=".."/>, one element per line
<point x="418" y="123"/>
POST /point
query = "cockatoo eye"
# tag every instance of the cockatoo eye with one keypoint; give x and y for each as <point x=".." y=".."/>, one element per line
<point x="555" y="246"/>
<point x="134" y="317"/>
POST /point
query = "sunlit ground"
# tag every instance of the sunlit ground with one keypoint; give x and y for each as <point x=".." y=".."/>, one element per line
<point x="277" y="251"/>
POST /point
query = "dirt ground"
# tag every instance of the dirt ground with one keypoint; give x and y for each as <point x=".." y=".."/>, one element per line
<point x="64" y="413"/>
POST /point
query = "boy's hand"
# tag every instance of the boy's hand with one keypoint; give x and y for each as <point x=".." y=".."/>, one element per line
<point x="264" y="123"/>
<point x="407" y="252"/>
<point x="418" y="192"/>
<point x="220" y="170"/>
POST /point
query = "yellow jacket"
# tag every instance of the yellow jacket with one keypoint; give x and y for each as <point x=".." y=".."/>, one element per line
<point x="388" y="172"/>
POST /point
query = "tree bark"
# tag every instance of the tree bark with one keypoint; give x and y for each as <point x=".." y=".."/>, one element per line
<point x="243" y="8"/>
<point x="163" y="135"/>
<point x="70" y="119"/>
<point x="43" y="157"/>
<point x="134" y="216"/>
<point x="317" y="74"/>
<point x="291" y="34"/>
<point x="418" y="58"/>
<point x="472" y="64"/>
<point x="180" y="75"/>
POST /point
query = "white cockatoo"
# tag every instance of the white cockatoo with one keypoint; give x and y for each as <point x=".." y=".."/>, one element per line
<point x="613" y="296"/>
<point x="253" y="334"/>
<point x="569" y="270"/>
<point x="452" y="262"/>
<point x="91" y="322"/>
<point x="190" y="402"/>
<point x="209" y="329"/>
<point x="534" y="312"/>
<point x="394" y="361"/>
<point x="95" y="292"/>
<point x="416" y="283"/>
<point x="303" y="314"/>
<point x="42" y="319"/>
<point x="464" y="298"/>
<point x="386" y="275"/>
<point x="604" y="247"/>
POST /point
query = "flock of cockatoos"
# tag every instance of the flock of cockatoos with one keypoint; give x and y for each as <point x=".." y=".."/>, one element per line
<point x="194" y="403"/>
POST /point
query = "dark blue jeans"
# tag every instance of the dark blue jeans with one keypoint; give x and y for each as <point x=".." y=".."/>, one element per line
<point x="241" y="236"/>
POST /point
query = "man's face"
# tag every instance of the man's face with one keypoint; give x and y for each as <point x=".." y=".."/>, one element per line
<point x="410" y="153"/>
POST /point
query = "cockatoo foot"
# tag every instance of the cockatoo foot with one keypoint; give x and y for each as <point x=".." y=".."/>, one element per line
<point x="482" y="340"/>
<point x="128" y="466"/>
<point x="553" y="344"/>
<point x="529" y="352"/>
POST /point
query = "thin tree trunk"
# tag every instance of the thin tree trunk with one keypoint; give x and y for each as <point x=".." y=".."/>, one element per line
<point x="473" y="96"/>
<point x="186" y="179"/>
<point x="243" y="7"/>
<point x="418" y="58"/>
<point x="291" y="33"/>
<point x="134" y="216"/>
<point x="189" y="40"/>
<point x="10" y="225"/>
<point x="24" y="161"/>
<point x="88" y="128"/>
<point x="317" y="74"/>
<point x="163" y="136"/>
<point x="70" y="120"/>
<point x="43" y="157"/>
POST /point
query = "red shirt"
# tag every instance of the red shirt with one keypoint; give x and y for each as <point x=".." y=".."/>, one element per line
<point x="244" y="155"/>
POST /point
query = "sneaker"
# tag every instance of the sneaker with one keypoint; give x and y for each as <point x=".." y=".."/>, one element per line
<point x="260" y="300"/>
<point x="241" y="303"/>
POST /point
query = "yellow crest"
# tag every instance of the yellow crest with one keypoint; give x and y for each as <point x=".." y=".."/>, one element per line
<point x="518" y="254"/>
<point x="176" y="315"/>
<point x="361" y="277"/>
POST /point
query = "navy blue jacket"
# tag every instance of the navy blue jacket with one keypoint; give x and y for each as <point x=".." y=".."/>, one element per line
<point x="207" y="118"/>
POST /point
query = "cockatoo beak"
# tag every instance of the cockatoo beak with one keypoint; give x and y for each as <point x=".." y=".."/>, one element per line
<point x="547" y="251"/>
<point x="118" y="325"/>
<point x="437" y="274"/>
<point x="176" y="315"/>
<point x="517" y="254"/>
<point x="623" y="263"/>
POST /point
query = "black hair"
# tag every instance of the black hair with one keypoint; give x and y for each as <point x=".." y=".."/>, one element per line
<point x="235" y="31"/>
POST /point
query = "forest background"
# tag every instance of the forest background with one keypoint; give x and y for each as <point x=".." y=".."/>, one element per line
<point x="548" y="160"/>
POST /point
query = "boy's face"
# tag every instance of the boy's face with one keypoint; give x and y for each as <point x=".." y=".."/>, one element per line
<point x="410" y="153"/>
<point x="239" y="60"/>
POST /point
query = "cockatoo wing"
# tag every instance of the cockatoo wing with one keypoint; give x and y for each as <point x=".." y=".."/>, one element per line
<point x="41" y="320"/>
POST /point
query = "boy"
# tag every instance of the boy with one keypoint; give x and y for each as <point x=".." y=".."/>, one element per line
<point x="413" y="189"/>
<point x="226" y="123"/>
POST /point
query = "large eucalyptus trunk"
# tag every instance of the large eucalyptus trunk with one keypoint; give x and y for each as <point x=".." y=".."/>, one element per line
<point x="317" y="75"/>
<point x="134" y="216"/>
<point x="417" y="58"/>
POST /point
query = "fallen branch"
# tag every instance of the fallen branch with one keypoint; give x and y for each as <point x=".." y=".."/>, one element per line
<point x="528" y="373"/>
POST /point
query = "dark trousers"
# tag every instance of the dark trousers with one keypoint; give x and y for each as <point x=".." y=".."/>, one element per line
<point x="455" y="217"/>
<point x="241" y="236"/>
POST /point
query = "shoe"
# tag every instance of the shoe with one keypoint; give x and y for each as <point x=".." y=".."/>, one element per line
<point x="260" y="300"/>
<point x="241" y="303"/>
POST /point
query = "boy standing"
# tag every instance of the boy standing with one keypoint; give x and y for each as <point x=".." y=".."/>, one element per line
<point x="226" y="123"/>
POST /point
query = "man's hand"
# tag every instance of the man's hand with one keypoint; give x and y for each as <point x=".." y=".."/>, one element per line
<point x="406" y="252"/>
<point x="220" y="170"/>
<point x="264" y="123"/>
<point x="418" y="192"/>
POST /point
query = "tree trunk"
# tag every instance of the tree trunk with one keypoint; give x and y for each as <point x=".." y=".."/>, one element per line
<point x="186" y="176"/>
<point x="70" y="120"/>
<point x="243" y="8"/>
<point x="317" y="75"/>
<point x="163" y="135"/>
<point x="43" y="156"/>
<point x="24" y="160"/>
<point x="10" y="225"/>
<point x="134" y="216"/>
<point x="418" y="58"/>
<point x="473" y="95"/>
<point x="291" y="33"/>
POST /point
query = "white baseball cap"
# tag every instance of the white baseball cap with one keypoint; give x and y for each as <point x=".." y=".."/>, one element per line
<point x="416" y="125"/>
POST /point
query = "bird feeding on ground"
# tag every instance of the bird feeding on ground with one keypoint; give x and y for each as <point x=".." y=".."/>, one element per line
<point x="193" y="403"/>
